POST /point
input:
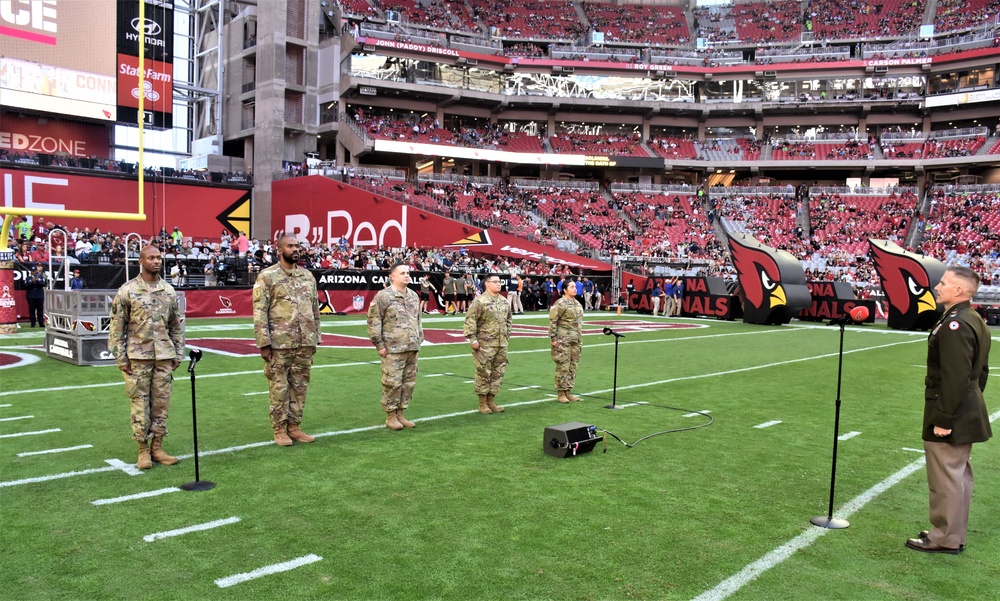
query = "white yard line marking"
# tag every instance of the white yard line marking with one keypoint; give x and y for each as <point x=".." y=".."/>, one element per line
<point x="96" y="470"/>
<point x="523" y="388"/>
<point x="750" y="573"/>
<point x="469" y="382"/>
<point x="7" y="405"/>
<point x="768" y="424"/>
<point x="266" y="570"/>
<point x="254" y="393"/>
<point x="11" y="419"/>
<point x="196" y="528"/>
<point x="547" y="398"/>
<point x="128" y="468"/>
<point x="30" y="433"/>
<point x="636" y="404"/>
<point x="921" y="451"/>
<point x="61" y="450"/>
<point x="141" y="495"/>
<point x="696" y="414"/>
<point x="848" y="436"/>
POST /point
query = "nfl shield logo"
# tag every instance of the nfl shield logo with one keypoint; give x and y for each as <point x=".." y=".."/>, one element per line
<point x="359" y="302"/>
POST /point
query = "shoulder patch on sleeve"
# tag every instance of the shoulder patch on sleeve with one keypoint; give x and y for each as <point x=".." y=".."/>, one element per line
<point x="953" y="325"/>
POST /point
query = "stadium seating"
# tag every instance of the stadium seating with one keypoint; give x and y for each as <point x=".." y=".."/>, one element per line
<point x="635" y="23"/>
<point x="846" y="221"/>
<point x="610" y="144"/>
<point x="963" y="222"/>
<point x="834" y="19"/>
<point x="529" y="19"/>
<point x="958" y="15"/>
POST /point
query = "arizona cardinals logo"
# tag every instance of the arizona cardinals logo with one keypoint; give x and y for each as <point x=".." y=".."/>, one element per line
<point x="759" y="275"/>
<point x="227" y="303"/>
<point x="907" y="280"/>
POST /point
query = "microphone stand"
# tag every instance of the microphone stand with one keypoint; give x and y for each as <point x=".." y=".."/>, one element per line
<point x="198" y="484"/>
<point x="828" y="521"/>
<point x="614" y="384"/>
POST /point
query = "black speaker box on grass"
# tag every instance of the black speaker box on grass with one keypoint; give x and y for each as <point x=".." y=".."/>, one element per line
<point x="569" y="439"/>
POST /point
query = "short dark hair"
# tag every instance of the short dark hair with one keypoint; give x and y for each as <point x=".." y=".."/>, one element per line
<point x="397" y="264"/>
<point x="969" y="277"/>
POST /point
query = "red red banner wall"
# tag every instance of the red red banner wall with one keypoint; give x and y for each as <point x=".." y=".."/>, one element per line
<point x="319" y="210"/>
<point x="41" y="136"/>
<point x="239" y="303"/>
<point x="197" y="210"/>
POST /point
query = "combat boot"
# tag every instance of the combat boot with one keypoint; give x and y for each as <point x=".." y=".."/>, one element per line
<point x="572" y="397"/>
<point x="145" y="461"/>
<point x="483" y="406"/>
<point x="493" y="406"/>
<point x="407" y="423"/>
<point x="159" y="455"/>
<point x="391" y="421"/>
<point x="296" y="434"/>
<point x="281" y="437"/>
<point x="562" y="397"/>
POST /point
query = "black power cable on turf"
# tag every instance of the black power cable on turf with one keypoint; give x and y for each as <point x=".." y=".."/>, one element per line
<point x="710" y="421"/>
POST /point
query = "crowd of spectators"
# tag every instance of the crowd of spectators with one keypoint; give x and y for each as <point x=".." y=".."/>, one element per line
<point x="965" y="222"/>
<point x="769" y="22"/>
<point x="863" y="18"/>
<point x="957" y="15"/>
<point x="637" y="23"/>
<point x="116" y="166"/>
<point x="621" y="144"/>
<point x="529" y="19"/>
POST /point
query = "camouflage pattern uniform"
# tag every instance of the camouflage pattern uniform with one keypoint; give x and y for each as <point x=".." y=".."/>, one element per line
<point x="146" y="334"/>
<point x="394" y="325"/>
<point x="565" y="331"/>
<point x="286" y="318"/>
<point x="488" y="321"/>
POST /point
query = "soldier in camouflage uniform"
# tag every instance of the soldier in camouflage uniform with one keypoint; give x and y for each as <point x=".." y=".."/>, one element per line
<point x="395" y="329"/>
<point x="147" y="339"/>
<point x="565" y="331"/>
<point x="487" y="328"/>
<point x="287" y="327"/>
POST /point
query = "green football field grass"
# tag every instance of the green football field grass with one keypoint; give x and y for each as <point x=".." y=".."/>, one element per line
<point x="467" y="506"/>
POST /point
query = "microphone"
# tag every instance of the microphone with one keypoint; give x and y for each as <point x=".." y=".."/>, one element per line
<point x="856" y="315"/>
<point x="610" y="332"/>
<point x="195" y="356"/>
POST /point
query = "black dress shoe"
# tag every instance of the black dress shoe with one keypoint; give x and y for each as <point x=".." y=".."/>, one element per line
<point x="925" y="546"/>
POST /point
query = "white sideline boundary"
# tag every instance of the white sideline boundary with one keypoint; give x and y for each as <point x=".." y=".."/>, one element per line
<point x="266" y="570"/>
<point x="752" y="571"/>
<point x="188" y="529"/>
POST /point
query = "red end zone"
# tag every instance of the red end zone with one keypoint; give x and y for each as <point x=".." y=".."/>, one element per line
<point x="246" y="347"/>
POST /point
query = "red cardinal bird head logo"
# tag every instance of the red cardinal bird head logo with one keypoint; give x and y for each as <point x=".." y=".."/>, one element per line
<point x="904" y="279"/>
<point x="226" y="302"/>
<point x="759" y="275"/>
